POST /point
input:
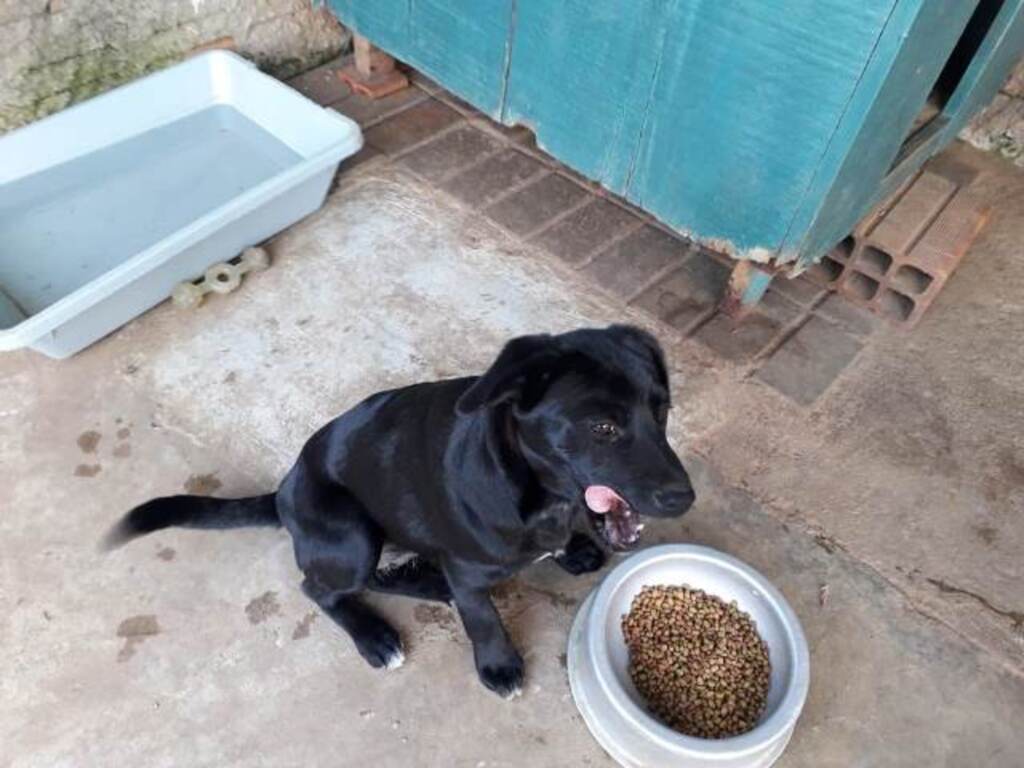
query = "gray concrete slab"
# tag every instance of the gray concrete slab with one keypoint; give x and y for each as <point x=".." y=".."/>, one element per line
<point x="197" y="648"/>
<point x="914" y="460"/>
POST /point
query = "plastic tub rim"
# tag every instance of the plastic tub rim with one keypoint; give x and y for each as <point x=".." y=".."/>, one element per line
<point x="80" y="300"/>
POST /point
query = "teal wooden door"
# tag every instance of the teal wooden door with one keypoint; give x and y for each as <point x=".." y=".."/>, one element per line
<point x="463" y="44"/>
<point x="745" y="105"/>
<point x="762" y="129"/>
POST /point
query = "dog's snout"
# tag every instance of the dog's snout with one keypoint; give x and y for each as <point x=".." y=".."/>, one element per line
<point x="674" y="499"/>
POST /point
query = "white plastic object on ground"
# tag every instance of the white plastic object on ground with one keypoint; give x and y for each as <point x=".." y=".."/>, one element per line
<point x="222" y="277"/>
<point x="107" y="206"/>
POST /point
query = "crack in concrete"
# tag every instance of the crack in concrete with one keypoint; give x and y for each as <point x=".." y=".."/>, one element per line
<point x="833" y="546"/>
<point x="829" y="543"/>
<point x="912" y="605"/>
<point x="1000" y="660"/>
<point x="1016" y="617"/>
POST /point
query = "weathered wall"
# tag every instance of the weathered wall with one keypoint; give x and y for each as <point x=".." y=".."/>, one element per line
<point x="56" y="52"/>
<point x="1000" y="127"/>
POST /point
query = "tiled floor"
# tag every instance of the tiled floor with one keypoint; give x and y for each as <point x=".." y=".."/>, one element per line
<point x="798" y="340"/>
<point x="889" y="515"/>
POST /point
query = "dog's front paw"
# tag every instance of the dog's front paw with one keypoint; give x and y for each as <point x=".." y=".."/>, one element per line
<point x="581" y="555"/>
<point x="381" y="647"/>
<point x="505" y="679"/>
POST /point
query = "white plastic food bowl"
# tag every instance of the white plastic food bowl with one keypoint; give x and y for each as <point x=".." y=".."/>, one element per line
<point x="108" y="205"/>
<point x="614" y="710"/>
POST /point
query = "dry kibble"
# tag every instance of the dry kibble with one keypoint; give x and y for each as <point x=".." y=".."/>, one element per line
<point x="697" y="661"/>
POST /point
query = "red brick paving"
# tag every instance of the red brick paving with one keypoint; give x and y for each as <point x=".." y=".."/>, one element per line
<point x="899" y="257"/>
<point x="629" y="265"/>
<point x="322" y="85"/>
<point x="450" y="152"/>
<point x="799" y="289"/>
<point x="744" y="341"/>
<point x="857" y="321"/>
<point x="538" y="203"/>
<point x="367" y="111"/>
<point x="498" y="171"/>
<point x="807" y="364"/>
<point x="688" y="294"/>
<point x="577" y="236"/>
<point x="489" y="179"/>
<point x="411" y="126"/>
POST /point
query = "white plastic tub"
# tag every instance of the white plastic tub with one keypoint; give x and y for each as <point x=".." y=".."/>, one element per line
<point x="107" y="205"/>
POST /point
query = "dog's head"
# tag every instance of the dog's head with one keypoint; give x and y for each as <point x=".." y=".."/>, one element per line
<point x="588" y="411"/>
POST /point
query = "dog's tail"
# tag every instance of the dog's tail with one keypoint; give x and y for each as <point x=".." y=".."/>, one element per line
<point x="192" y="512"/>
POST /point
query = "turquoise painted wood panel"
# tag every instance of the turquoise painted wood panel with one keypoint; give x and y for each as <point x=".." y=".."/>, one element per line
<point x="766" y="129"/>
<point x="987" y="73"/>
<point x="745" y="103"/>
<point x="385" y="22"/>
<point x="910" y="55"/>
<point x="463" y="44"/>
<point x="581" y="77"/>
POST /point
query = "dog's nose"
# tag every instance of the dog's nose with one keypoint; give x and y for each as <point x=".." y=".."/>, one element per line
<point x="674" y="498"/>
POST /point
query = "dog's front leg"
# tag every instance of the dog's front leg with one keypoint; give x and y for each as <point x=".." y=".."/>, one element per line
<point x="498" y="664"/>
<point x="581" y="555"/>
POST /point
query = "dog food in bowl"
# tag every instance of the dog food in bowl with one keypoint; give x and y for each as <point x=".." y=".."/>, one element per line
<point x="698" y="661"/>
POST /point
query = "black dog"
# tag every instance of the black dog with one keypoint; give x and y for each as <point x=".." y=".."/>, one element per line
<point x="479" y="477"/>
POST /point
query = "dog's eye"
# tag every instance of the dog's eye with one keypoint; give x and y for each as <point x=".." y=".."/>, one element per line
<point x="604" y="429"/>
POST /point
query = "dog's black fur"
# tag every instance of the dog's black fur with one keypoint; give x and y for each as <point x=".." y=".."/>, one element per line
<point x="479" y="477"/>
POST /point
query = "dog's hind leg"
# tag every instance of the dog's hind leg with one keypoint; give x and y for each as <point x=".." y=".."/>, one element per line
<point x="375" y="639"/>
<point x="337" y="547"/>
<point x="415" y="577"/>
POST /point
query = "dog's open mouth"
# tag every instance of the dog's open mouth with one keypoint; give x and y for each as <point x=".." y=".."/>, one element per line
<point x="612" y="516"/>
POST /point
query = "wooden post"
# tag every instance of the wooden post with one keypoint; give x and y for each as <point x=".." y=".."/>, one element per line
<point x="364" y="55"/>
<point x="374" y="73"/>
<point x="747" y="285"/>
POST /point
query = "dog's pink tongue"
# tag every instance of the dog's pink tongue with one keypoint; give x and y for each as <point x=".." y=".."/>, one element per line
<point x="601" y="499"/>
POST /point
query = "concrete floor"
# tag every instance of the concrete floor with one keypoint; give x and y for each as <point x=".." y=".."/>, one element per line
<point x="897" y="498"/>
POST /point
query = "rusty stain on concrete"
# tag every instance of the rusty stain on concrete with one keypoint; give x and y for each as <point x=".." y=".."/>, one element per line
<point x="302" y="627"/>
<point x="134" y="630"/>
<point x="262" y="608"/>
<point x="89" y="440"/>
<point x="986" y="533"/>
<point x="202" y="485"/>
<point x="432" y="613"/>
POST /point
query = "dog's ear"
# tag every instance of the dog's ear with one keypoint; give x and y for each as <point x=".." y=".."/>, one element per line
<point x="642" y="343"/>
<point x="520" y="360"/>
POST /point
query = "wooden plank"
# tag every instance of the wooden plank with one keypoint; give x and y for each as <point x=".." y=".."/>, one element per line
<point x="580" y="77"/>
<point x="463" y="45"/>
<point x="991" y="66"/>
<point x="746" y="99"/>
<point x="384" y="22"/>
<point x="910" y="54"/>
<point x="764" y="129"/>
<point x="459" y="43"/>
